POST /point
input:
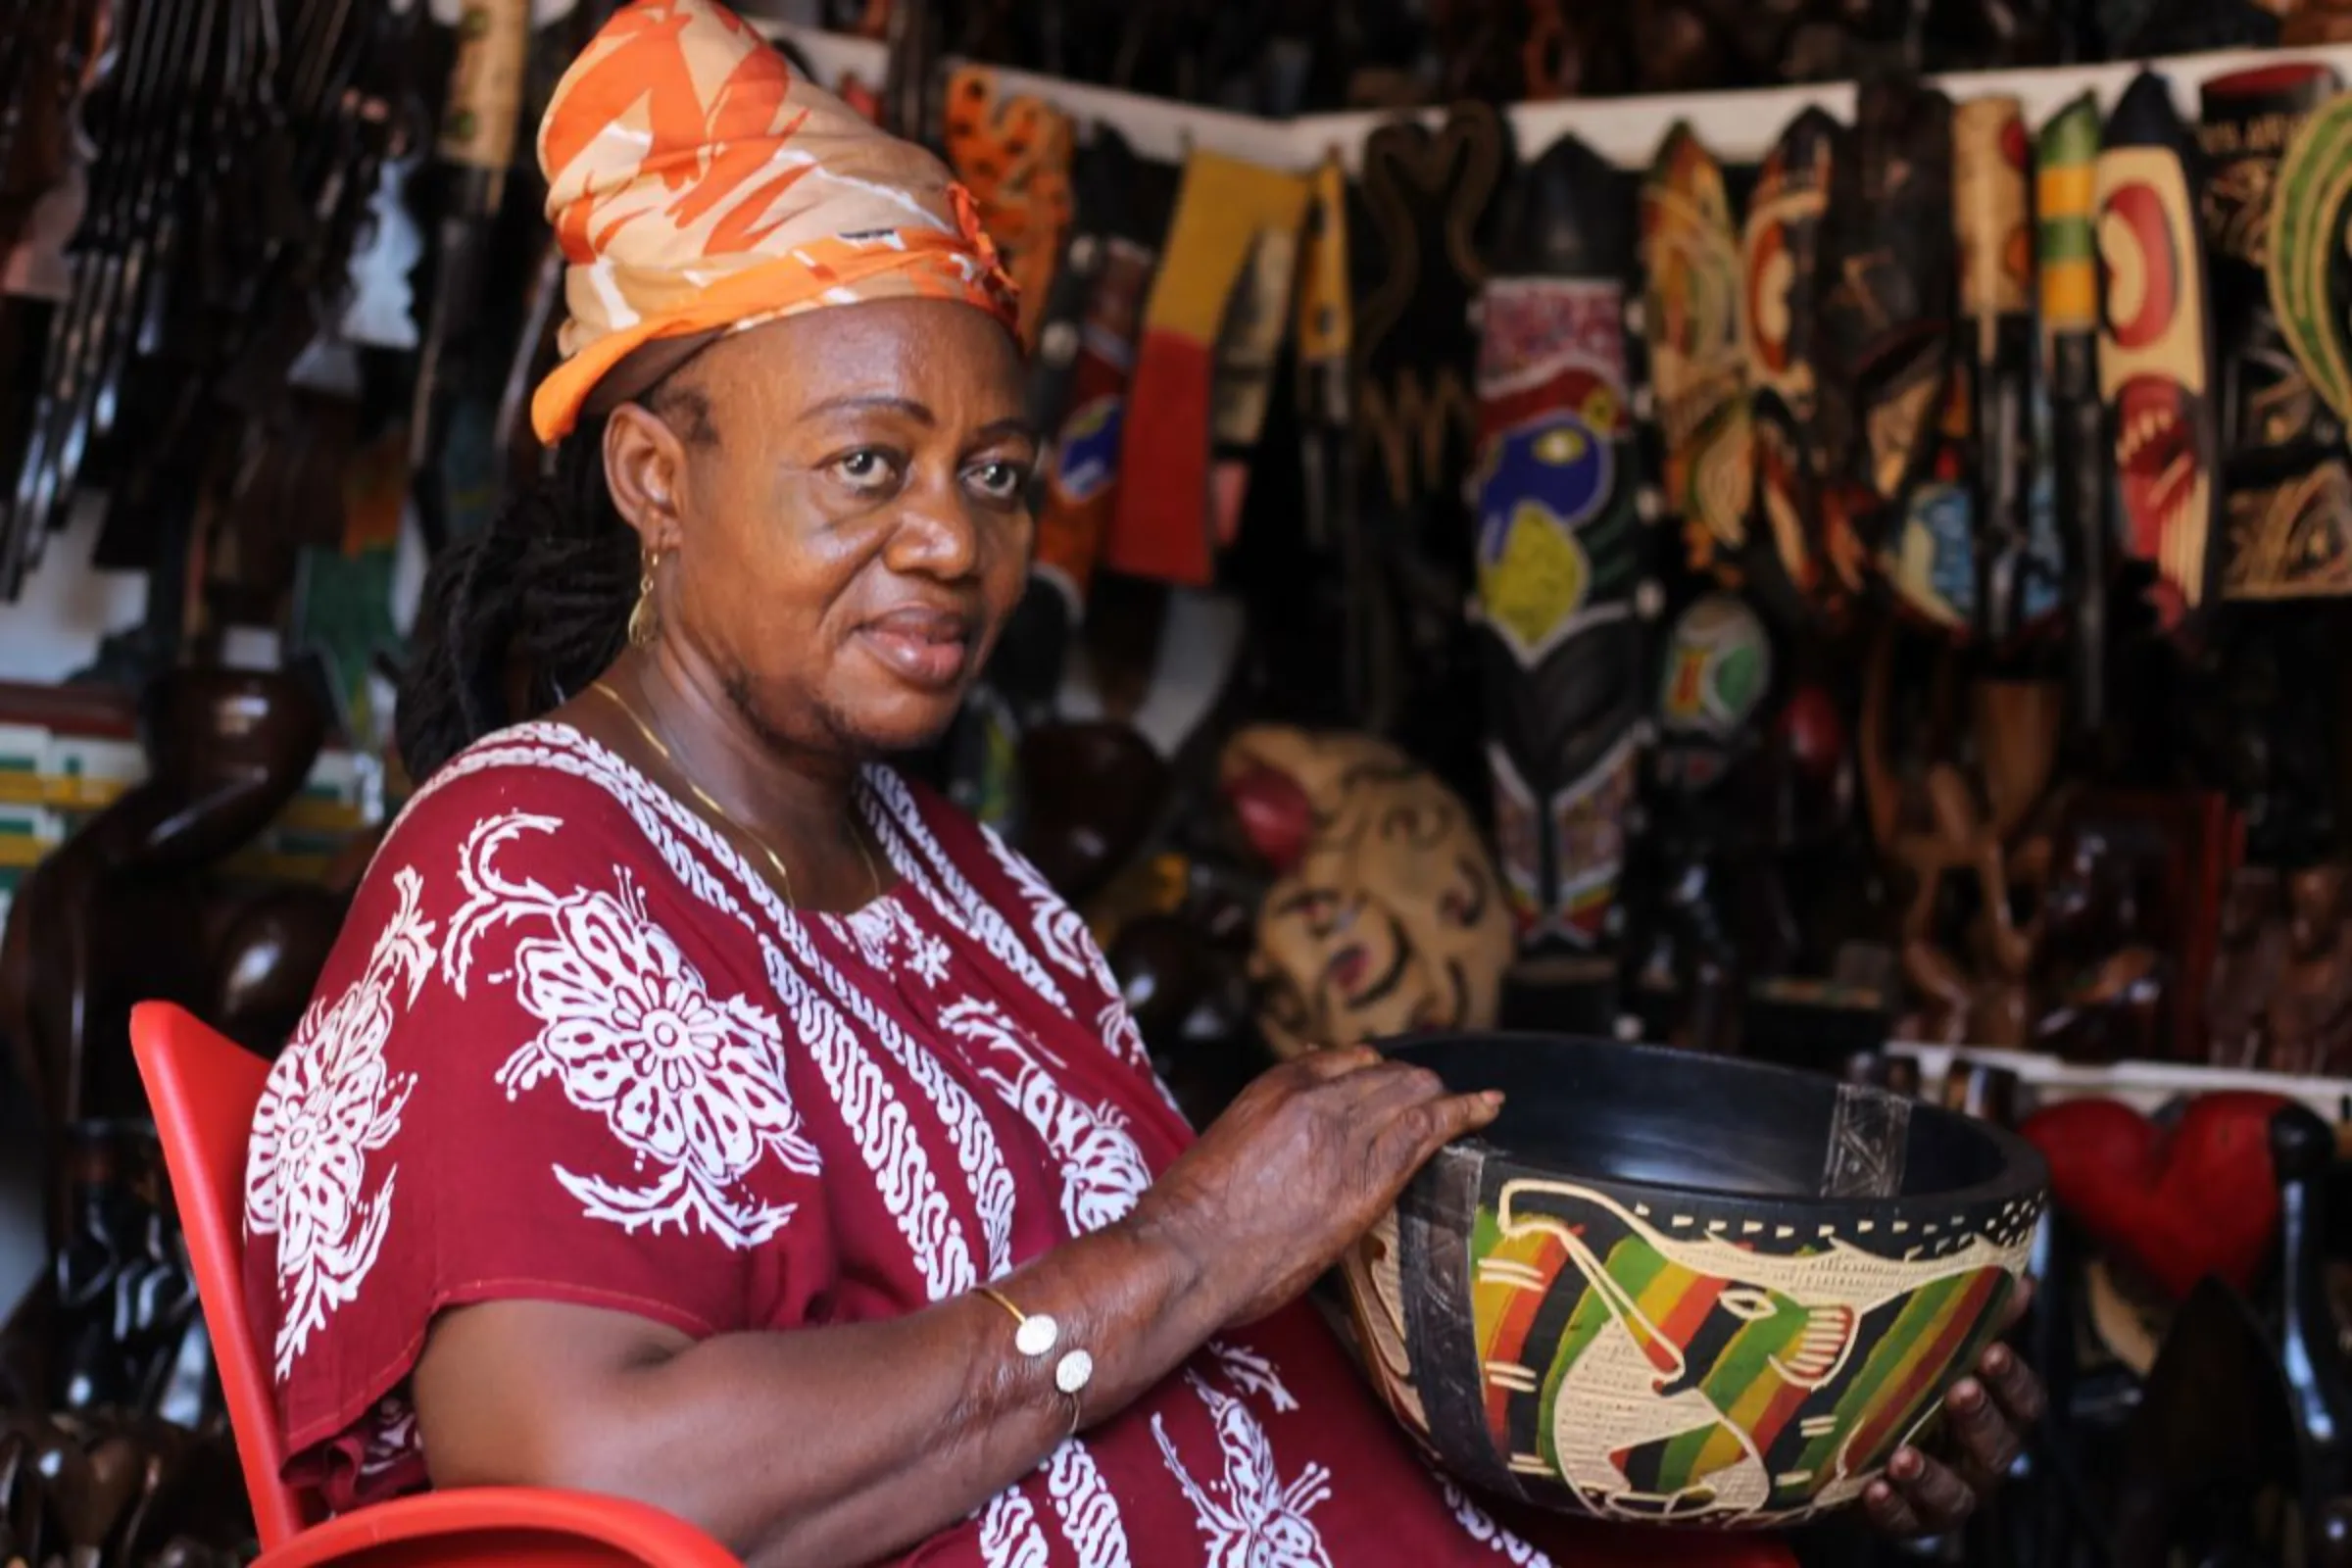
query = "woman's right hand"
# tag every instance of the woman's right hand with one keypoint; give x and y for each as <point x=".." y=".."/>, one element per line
<point x="1303" y="1163"/>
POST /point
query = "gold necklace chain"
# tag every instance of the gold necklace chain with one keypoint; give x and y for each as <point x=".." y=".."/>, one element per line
<point x="872" y="871"/>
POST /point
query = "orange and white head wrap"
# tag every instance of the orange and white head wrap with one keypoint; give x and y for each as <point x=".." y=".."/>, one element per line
<point x="697" y="184"/>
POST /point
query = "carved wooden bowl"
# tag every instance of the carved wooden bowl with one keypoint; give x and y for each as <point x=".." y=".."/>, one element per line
<point x="1686" y="1289"/>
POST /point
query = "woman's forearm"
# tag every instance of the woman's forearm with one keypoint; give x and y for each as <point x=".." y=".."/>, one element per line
<point x="843" y="1444"/>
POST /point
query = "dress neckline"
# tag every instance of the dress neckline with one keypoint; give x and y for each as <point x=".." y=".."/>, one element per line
<point x="883" y="903"/>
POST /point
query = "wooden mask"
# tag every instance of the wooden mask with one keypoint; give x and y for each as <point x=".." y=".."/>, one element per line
<point x="1883" y="285"/>
<point x="2288" y="397"/>
<point x="1559" y="544"/>
<point x="1424" y="199"/>
<point x="1697" y="366"/>
<point x="2072" y="428"/>
<point x="1779" y="251"/>
<point x="1390" y="918"/>
<point x="2156" y="354"/>
<point x="1426" y="196"/>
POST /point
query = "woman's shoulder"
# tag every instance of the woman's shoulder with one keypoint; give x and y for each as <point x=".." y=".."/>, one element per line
<point x="540" y="803"/>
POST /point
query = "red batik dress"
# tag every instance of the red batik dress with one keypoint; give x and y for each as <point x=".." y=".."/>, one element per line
<point x="571" y="1048"/>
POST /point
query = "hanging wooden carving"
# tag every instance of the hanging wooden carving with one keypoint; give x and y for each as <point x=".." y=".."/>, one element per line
<point x="2291" y="535"/>
<point x="2065" y="258"/>
<point x="1885" y="290"/>
<point x="2284" y="482"/>
<point x="1778" y="252"/>
<point x="1697" y="366"/>
<point x="2018" y="567"/>
<point x="2156" y="352"/>
<point x="1558" y="547"/>
<point x="1425" y="196"/>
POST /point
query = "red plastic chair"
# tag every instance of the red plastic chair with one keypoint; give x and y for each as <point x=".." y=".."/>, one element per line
<point x="204" y="1088"/>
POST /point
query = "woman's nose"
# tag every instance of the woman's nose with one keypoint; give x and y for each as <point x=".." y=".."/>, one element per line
<point x="935" y="533"/>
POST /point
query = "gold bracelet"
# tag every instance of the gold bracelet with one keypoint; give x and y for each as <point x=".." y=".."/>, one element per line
<point x="1035" y="1335"/>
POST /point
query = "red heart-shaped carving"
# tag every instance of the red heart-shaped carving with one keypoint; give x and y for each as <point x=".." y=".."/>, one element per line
<point x="2177" y="1204"/>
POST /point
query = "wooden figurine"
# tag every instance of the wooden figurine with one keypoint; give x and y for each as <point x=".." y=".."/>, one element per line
<point x="2281" y="995"/>
<point x="2286" y="483"/>
<point x="1779" y="249"/>
<point x="1690" y="314"/>
<point x="1884" y="292"/>
<point x="1558" y="548"/>
<point x="2157" y="374"/>
<point x="1386" y="915"/>
<point x="1979" y="824"/>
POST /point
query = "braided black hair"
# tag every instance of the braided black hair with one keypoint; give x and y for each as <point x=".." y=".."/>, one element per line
<point x="534" y="606"/>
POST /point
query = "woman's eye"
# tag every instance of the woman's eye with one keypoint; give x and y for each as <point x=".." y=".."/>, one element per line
<point x="867" y="468"/>
<point x="1000" y="480"/>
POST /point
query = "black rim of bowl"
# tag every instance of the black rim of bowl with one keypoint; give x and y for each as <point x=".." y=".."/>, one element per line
<point x="2022" y="1171"/>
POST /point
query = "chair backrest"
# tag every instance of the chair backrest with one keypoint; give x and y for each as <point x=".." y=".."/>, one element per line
<point x="203" y="1087"/>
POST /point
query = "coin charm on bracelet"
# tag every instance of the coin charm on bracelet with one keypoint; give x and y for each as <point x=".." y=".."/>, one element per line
<point x="1074" y="1371"/>
<point x="1036" y="1335"/>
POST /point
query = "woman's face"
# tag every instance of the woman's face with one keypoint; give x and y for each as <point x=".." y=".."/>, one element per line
<point x="846" y="530"/>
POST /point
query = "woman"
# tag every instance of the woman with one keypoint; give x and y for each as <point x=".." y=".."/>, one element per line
<point x="669" y="1023"/>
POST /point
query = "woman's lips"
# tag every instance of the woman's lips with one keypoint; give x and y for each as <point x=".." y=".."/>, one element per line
<point x="929" y="647"/>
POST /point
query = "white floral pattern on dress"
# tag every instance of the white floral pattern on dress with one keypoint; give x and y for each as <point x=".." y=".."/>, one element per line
<point x="1252" y="1518"/>
<point x="886" y="1132"/>
<point x="690" y="1084"/>
<point x="1062" y="934"/>
<point x="1086" y="1506"/>
<point x="1251" y="1373"/>
<point x="329" y="1102"/>
<point x="1102" y="1171"/>
<point x="1010" y="1537"/>
<point x="1486" y="1533"/>
<point x="890" y="810"/>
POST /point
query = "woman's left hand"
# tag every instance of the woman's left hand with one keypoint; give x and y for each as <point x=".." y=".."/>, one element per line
<point x="1987" y="1415"/>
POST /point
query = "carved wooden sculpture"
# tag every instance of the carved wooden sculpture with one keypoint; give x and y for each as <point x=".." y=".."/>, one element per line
<point x="2282" y="993"/>
<point x="226" y="751"/>
<point x="1691" y="264"/>
<point x="1778" y="254"/>
<point x="1387" y="917"/>
<point x="2105" y="958"/>
<point x="1976" y="823"/>
<point x="2157" y="372"/>
<point x="2286" y="487"/>
<point x="1884" y="286"/>
<point x="1558" y="547"/>
<point x="2066" y="255"/>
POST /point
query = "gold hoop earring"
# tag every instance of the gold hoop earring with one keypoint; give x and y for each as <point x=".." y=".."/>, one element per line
<point x="645" y="623"/>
